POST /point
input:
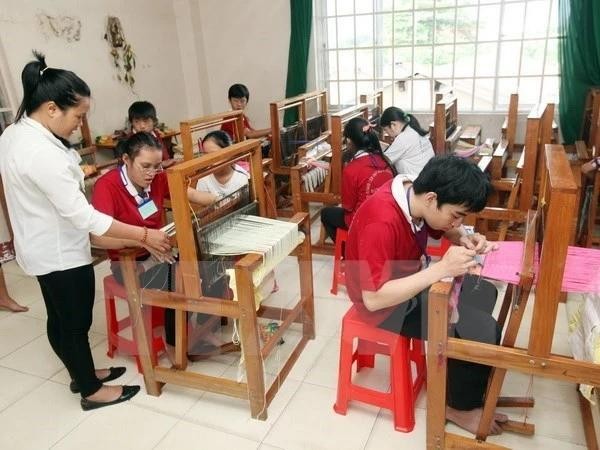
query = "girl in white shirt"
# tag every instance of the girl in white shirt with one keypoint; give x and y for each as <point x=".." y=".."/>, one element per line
<point x="411" y="148"/>
<point x="52" y="221"/>
<point x="226" y="180"/>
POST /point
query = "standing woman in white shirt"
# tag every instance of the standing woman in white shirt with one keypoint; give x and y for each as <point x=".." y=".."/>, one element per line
<point x="411" y="148"/>
<point x="52" y="220"/>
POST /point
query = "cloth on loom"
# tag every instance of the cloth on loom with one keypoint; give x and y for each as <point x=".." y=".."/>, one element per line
<point x="7" y="251"/>
<point x="583" y="315"/>
<point x="582" y="268"/>
<point x="314" y="178"/>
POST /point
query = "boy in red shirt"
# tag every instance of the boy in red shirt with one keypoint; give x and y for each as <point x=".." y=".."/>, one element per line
<point x="142" y="117"/>
<point x="386" y="240"/>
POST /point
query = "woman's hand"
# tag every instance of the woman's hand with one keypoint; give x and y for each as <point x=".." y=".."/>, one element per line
<point x="457" y="261"/>
<point x="156" y="240"/>
<point x="477" y="242"/>
<point x="160" y="256"/>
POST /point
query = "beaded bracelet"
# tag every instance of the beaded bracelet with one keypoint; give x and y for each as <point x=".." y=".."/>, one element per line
<point x="143" y="241"/>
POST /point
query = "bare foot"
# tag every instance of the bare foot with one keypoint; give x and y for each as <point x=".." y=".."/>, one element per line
<point x="469" y="420"/>
<point x="106" y="394"/>
<point x="10" y="305"/>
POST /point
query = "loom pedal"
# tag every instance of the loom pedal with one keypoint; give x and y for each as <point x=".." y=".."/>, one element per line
<point x="515" y="402"/>
<point x="528" y="429"/>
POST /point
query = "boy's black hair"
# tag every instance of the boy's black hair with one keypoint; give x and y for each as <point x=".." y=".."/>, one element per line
<point x="42" y="84"/>
<point x="456" y="181"/>
<point x="238" y="91"/>
<point x="142" y="110"/>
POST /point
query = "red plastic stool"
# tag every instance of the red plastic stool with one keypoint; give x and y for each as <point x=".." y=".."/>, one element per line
<point x="339" y="277"/>
<point x="402" y="351"/>
<point x="113" y="290"/>
<point x="441" y="250"/>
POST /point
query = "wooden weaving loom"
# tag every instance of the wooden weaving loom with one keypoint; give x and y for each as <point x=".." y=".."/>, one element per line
<point x="446" y="130"/>
<point x="188" y="238"/>
<point x="375" y="102"/>
<point x="558" y="190"/>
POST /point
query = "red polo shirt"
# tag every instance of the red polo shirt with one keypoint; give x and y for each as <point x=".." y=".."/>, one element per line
<point x="229" y="127"/>
<point x="111" y="197"/>
<point x="361" y="177"/>
<point x="381" y="246"/>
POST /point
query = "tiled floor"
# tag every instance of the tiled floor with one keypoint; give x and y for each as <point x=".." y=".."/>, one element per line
<point x="37" y="411"/>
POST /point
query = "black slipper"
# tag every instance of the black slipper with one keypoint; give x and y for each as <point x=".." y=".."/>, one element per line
<point x="115" y="372"/>
<point x="128" y="392"/>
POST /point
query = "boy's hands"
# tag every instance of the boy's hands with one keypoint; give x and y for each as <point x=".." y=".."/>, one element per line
<point x="477" y="242"/>
<point x="457" y="261"/>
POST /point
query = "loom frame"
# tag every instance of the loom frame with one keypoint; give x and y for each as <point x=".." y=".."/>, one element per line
<point x="189" y="297"/>
<point x="445" y="116"/>
<point x="560" y="191"/>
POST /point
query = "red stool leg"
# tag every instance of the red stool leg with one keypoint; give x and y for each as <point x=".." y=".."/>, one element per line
<point x="337" y="266"/>
<point x="402" y="389"/>
<point x="344" y="375"/>
<point x="365" y="355"/>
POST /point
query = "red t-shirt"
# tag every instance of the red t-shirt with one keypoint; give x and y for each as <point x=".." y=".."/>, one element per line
<point x="361" y="177"/>
<point x="111" y="197"/>
<point x="229" y="127"/>
<point x="381" y="246"/>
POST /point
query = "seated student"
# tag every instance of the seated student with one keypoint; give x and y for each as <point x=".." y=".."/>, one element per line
<point x="591" y="166"/>
<point x="134" y="193"/>
<point x="226" y="180"/>
<point x="238" y="96"/>
<point x="365" y="172"/>
<point x="142" y="117"/>
<point x="384" y="279"/>
<point x="411" y="148"/>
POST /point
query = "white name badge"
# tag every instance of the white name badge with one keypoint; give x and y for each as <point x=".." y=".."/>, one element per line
<point x="147" y="209"/>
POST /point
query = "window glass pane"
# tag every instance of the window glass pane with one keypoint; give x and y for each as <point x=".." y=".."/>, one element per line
<point x="420" y="4"/>
<point x="345" y="7"/>
<point x="444" y="56"/>
<point x="550" y="89"/>
<point x="552" y="57"/>
<point x="466" y="24"/>
<point x="333" y="74"/>
<point x="364" y="87"/>
<point x="463" y="89"/>
<point x="510" y="53"/>
<point x="484" y="2"/>
<point x="512" y="21"/>
<point x="444" y="26"/>
<point x="424" y="27"/>
<point x="486" y="59"/>
<point x="423" y="62"/>
<point x="464" y="61"/>
<point x="383" y="63"/>
<point x="331" y="33"/>
<point x="346" y="64"/>
<point x="331" y="7"/>
<point x="364" y="64"/>
<point x="536" y="19"/>
<point x="553" y="25"/>
<point x="489" y="23"/>
<point x="385" y="5"/>
<point x="363" y="6"/>
<point x="506" y="86"/>
<point x="364" y="31"/>
<point x="483" y="94"/>
<point x="400" y="5"/>
<point x="443" y="87"/>
<point x="383" y="29"/>
<point x="442" y="3"/>
<point x="345" y="26"/>
<point x="347" y="93"/>
<point x="466" y="2"/>
<point x="333" y="93"/>
<point x="529" y="91"/>
<point x="422" y="95"/>
<point x="533" y="57"/>
<point x="403" y="29"/>
<point x="403" y="63"/>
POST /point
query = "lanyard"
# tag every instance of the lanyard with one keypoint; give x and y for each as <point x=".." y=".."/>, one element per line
<point x="140" y="197"/>
<point x="420" y="235"/>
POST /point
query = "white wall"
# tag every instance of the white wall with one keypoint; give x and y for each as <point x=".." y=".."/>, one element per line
<point x="243" y="42"/>
<point x="150" y="28"/>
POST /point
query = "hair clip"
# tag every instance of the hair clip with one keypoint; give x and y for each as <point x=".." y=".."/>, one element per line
<point x="43" y="70"/>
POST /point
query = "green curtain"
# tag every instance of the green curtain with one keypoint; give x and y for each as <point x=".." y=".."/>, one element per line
<point x="579" y="54"/>
<point x="301" y="20"/>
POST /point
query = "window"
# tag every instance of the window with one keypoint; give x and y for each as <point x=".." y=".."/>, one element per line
<point x="483" y="50"/>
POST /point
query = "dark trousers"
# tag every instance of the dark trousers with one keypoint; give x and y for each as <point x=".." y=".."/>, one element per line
<point x="69" y="298"/>
<point x="332" y="218"/>
<point x="467" y="382"/>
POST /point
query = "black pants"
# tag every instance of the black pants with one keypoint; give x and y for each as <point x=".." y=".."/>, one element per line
<point x="69" y="298"/>
<point x="467" y="382"/>
<point x="332" y="218"/>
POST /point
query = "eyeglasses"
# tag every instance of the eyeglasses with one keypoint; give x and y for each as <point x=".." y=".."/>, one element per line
<point x="151" y="170"/>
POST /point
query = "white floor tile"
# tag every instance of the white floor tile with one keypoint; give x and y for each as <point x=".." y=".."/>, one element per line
<point x="310" y="422"/>
<point x="15" y="385"/>
<point x="185" y="435"/>
<point x="141" y="429"/>
<point x="17" y="330"/>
